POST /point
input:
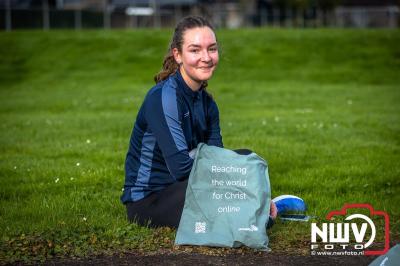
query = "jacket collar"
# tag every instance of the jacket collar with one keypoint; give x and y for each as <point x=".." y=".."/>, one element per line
<point x="186" y="89"/>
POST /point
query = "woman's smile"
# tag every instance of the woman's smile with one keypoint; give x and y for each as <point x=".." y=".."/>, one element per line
<point x="206" y="68"/>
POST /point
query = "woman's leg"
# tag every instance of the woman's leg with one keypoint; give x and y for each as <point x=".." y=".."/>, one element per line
<point x="160" y="209"/>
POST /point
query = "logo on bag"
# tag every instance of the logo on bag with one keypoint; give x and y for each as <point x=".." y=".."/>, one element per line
<point x="200" y="227"/>
<point x="252" y="228"/>
<point x="336" y="235"/>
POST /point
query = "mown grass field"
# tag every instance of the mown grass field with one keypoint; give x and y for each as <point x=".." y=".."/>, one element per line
<point x="321" y="106"/>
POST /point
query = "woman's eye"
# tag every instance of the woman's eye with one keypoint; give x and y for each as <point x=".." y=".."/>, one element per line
<point x="194" y="51"/>
<point x="214" y="49"/>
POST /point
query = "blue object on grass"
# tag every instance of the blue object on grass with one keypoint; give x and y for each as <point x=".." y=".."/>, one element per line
<point x="289" y="203"/>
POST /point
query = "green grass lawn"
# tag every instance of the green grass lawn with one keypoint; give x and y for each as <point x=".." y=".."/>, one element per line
<point x="321" y="106"/>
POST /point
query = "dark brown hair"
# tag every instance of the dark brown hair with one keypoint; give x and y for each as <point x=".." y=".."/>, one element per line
<point x="170" y="66"/>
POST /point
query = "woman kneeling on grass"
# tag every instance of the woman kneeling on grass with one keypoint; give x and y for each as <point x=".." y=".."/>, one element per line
<point x="176" y="115"/>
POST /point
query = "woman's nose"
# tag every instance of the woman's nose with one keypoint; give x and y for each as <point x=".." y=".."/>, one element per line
<point x="205" y="56"/>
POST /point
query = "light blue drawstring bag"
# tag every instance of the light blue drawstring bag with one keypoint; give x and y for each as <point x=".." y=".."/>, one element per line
<point x="227" y="200"/>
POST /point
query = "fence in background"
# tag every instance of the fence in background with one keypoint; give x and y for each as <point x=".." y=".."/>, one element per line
<point x="222" y="15"/>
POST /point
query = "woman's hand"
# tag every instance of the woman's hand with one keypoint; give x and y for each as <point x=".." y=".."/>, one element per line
<point x="273" y="211"/>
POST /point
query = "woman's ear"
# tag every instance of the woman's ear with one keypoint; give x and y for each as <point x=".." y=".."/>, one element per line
<point x="177" y="56"/>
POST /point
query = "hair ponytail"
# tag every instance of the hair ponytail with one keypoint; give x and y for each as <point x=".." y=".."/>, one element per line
<point x="170" y="66"/>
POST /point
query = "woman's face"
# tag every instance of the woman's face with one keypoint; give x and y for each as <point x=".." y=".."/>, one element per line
<point x="199" y="56"/>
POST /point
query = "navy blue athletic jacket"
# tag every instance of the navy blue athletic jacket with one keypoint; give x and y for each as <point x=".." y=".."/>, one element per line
<point x="172" y="120"/>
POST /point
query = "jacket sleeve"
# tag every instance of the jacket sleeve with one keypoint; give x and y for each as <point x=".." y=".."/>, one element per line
<point x="213" y="129"/>
<point x="164" y="121"/>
